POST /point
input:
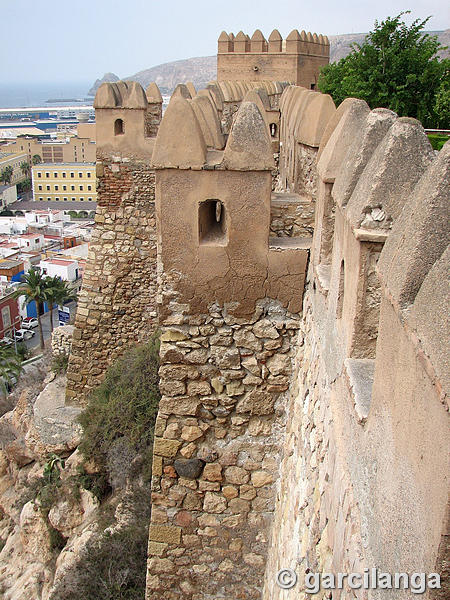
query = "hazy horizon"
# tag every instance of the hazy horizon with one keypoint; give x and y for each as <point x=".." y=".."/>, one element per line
<point x="78" y="43"/>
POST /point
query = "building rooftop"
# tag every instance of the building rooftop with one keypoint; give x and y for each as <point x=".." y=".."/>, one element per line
<point x="10" y="264"/>
<point x="12" y="133"/>
<point x="56" y="204"/>
<point x="66" y="164"/>
<point x="60" y="261"/>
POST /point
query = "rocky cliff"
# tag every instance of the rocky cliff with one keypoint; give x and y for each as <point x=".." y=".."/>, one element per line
<point x="67" y="530"/>
<point x="107" y="78"/>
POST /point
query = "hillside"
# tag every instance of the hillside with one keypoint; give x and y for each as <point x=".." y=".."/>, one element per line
<point x="202" y="69"/>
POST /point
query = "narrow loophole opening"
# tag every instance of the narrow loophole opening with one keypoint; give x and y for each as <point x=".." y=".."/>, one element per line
<point x="212" y="223"/>
<point x="119" y="128"/>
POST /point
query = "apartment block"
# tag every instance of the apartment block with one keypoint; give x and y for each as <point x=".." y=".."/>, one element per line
<point x="64" y="182"/>
<point x="14" y="160"/>
<point x="74" y="149"/>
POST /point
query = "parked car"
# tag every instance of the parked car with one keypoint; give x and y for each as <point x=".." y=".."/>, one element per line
<point x="6" y="341"/>
<point x="23" y="334"/>
<point x="29" y="323"/>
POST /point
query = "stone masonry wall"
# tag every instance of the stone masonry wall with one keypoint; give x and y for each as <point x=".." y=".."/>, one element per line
<point x="317" y="523"/>
<point x="218" y="437"/>
<point x="117" y="304"/>
<point x="291" y="216"/>
<point x="153" y="119"/>
<point x="305" y="176"/>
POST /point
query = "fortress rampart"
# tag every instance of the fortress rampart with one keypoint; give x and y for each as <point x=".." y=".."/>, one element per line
<point x="296" y="59"/>
<point x="117" y="303"/>
<point x="303" y="312"/>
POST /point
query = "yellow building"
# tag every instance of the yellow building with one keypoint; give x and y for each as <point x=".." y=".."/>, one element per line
<point x="14" y="160"/>
<point x="75" y="149"/>
<point x="64" y="182"/>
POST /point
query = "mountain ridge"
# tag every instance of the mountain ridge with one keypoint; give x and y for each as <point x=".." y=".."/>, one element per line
<point x="202" y="69"/>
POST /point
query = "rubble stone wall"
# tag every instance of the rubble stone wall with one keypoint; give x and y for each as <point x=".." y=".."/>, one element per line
<point x="317" y="526"/>
<point x="218" y="437"/>
<point x="117" y="304"/>
<point x="291" y="216"/>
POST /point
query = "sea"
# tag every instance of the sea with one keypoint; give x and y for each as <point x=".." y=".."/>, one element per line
<point x="17" y="95"/>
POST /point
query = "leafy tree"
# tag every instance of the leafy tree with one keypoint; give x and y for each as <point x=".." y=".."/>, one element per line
<point x="442" y="102"/>
<point x="57" y="291"/>
<point x="36" y="159"/>
<point x="33" y="288"/>
<point x="10" y="367"/>
<point x="396" y="67"/>
<point x="6" y="174"/>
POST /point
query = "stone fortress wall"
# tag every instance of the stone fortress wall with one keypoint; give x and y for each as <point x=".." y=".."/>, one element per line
<point x="296" y="59"/>
<point x="364" y="478"/>
<point x="117" y="303"/>
<point x="302" y="421"/>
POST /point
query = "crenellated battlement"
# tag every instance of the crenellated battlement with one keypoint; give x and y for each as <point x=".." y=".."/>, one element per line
<point x="296" y="59"/>
<point x="127" y="117"/>
<point x="295" y="43"/>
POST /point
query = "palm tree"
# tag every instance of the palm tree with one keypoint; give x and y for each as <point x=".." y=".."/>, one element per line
<point x="10" y="367"/>
<point x="25" y="167"/>
<point x="6" y="174"/>
<point x="57" y="291"/>
<point x="33" y="288"/>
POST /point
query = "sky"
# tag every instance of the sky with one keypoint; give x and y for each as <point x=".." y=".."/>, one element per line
<point x="64" y="40"/>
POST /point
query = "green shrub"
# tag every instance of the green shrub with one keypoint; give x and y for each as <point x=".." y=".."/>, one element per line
<point x="46" y="491"/>
<point x="118" y="425"/>
<point x="59" y="363"/>
<point x="23" y="351"/>
<point x="97" y="483"/>
<point x="437" y="140"/>
<point x="124" y="405"/>
<point x="112" y="567"/>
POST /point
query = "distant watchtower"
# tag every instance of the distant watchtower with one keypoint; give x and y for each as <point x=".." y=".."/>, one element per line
<point x="296" y="59"/>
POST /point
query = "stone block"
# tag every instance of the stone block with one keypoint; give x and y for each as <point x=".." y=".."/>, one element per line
<point x="157" y="466"/>
<point x="181" y="405"/>
<point x="156" y="548"/>
<point x="168" y="534"/>
<point x="212" y="472"/>
<point x="256" y="402"/>
<point x="167" y="448"/>
<point x="214" y="503"/>
<point x="189" y="468"/>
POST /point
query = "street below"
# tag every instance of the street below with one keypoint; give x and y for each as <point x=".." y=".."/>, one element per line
<point x="33" y="343"/>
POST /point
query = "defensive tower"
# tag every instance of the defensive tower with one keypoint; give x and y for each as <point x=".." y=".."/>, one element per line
<point x="296" y="59"/>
